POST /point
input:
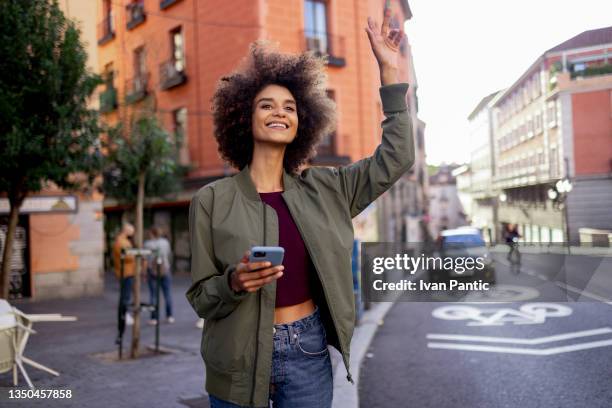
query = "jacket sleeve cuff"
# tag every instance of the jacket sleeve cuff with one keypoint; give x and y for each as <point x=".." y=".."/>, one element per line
<point x="225" y="289"/>
<point x="393" y="97"/>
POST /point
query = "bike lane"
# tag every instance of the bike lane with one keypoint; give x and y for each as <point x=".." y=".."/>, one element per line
<point x="520" y="354"/>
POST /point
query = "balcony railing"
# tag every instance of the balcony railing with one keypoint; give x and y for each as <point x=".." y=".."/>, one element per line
<point x="164" y="4"/>
<point x="136" y="88"/>
<point x="136" y="14"/>
<point x="172" y="73"/>
<point x="593" y="71"/>
<point x="327" y="155"/>
<point x="108" y="100"/>
<point x="323" y="43"/>
<point x="106" y="30"/>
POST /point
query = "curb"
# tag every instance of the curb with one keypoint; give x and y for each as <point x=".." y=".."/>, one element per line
<point x="346" y="395"/>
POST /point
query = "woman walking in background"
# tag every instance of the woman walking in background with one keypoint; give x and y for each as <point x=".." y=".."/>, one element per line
<point x="160" y="247"/>
<point x="267" y="327"/>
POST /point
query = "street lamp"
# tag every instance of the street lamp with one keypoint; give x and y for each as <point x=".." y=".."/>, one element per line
<point x="558" y="195"/>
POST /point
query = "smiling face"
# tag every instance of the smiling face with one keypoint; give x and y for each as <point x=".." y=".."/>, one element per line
<point x="275" y="118"/>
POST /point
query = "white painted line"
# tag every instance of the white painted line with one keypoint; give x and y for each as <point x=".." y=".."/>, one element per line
<point x="520" y="350"/>
<point x="583" y="292"/>
<point x="513" y="340"/>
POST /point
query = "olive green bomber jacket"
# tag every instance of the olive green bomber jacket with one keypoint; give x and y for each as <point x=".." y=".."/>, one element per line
<point x="227" y="217"/>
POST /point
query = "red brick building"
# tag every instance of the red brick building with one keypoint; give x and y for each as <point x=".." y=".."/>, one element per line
<point x="171" y="53"/>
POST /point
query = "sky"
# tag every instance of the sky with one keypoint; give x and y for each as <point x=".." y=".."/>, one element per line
<point x="465" y="50"/>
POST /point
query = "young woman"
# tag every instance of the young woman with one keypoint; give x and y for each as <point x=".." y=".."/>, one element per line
<point x="267" y="327"/>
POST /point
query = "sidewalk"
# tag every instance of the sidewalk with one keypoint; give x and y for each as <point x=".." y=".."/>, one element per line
<point x="171" y="380"/>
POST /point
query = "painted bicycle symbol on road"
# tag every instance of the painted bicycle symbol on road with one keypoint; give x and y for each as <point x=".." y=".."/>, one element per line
<point x="530" y="313"/>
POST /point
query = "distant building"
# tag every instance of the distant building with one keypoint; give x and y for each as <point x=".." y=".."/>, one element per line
<point x="445" y="208"/>
<point x="554" y="123"/>
<point x="475" y="181"/>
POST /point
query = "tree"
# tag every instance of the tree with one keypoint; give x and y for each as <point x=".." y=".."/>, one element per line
<point x="47" y="132"/>
<point x="140" y="164"/>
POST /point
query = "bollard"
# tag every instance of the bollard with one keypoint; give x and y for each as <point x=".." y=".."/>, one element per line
<point x="121" y="309"/>
<point x="158" y="263"/>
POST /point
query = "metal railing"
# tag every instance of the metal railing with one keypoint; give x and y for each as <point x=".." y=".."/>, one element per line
<point x="108" y="100"/>
<point x="106" y="29"/>
<point x="172" y="73"/>
<point x="136" y="88"/>
<point x="323" y="43"/>
<point x="135" y="13"/>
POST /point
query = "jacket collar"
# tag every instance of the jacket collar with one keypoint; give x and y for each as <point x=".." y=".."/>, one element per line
<point x="247" y="187"/>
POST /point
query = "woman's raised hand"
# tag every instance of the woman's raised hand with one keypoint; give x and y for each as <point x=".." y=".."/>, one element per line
<point x="250" y="276"/>
<point x="385" y="42"/>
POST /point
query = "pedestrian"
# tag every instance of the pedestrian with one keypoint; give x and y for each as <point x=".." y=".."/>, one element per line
<point x="126" y="277"/>
<point x="160" y="246"/>
<point x="267" y="328"/>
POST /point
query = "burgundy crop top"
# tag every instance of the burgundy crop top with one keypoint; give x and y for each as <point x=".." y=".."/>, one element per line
<point x="293" y="287"/>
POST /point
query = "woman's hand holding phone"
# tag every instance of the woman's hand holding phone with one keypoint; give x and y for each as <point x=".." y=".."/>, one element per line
<point x="250" y="276"/>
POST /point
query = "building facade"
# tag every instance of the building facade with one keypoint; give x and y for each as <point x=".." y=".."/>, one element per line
<point x="169" y="55"/>
<point x="475" y="180"/>
<point x="445" y="207"/>
<point x="555" y="123"/>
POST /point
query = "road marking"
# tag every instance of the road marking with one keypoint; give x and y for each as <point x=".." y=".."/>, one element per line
<point x="529" y="313"/>
<point x="583" y="292"/>
<point x="514" y="340"/>
<point x="520" y="350"/>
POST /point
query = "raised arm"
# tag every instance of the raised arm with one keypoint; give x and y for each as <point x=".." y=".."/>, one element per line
<point x="365" y="180"/>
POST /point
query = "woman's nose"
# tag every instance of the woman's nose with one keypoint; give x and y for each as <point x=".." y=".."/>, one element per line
<point x="280" y="112"/>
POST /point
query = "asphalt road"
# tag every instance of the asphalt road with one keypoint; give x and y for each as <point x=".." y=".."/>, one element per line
<point x="417" y="360"/>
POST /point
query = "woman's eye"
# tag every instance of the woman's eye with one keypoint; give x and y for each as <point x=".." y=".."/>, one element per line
<point x="290" y="109"/>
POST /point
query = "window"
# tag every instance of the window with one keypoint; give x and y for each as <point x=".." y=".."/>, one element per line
<point x="106" y="28"/>
<point x="554" y="162"/>
<point x="552" y="114"/>
<point x="327" y="145"/>
<point x="178" y="49"/>
<point x="140" y="67"/>
<point x="109" y="75"/>
<point x="179" y="118"/>
<point x="315" y="25"/>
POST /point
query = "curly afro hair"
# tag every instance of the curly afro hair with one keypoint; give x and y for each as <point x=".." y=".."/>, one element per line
<point x="303" y="75"/>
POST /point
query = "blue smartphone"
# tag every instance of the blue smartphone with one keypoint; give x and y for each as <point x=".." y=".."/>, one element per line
<point x="270" y="254"/>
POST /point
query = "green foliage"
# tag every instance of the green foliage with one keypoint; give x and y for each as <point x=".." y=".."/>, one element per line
<point x="47" y="131"/>
<point x="597" y="70"/>
<point x="148" y="148"/>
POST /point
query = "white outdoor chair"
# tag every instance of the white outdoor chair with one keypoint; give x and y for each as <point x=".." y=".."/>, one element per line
<point x="15" y="330"/>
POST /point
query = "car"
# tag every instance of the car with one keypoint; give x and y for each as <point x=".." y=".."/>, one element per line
<point x="466" y="250"/>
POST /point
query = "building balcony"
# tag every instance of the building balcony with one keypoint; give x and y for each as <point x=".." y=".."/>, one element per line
<point x="135" y="14"/>
<point x="106" y="30"/>
<point x="164" y="4"/>
<point x="136" y="89"/>
<point x="590" y="71"/>
<point x="172" y="73"/>
<point x="325" y="44"/>
<point x="327" y="155"/>
<point x="108" y="100"/>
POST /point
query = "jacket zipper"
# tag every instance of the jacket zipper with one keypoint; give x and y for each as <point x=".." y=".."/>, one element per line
<point x="258" y="317"/>
<point x="349" y="377"/>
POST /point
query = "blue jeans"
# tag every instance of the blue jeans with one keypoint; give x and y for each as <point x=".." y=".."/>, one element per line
<point x="126" y="293"/>
<point x="165" y="282"/>
<point x="301" y="367"/>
